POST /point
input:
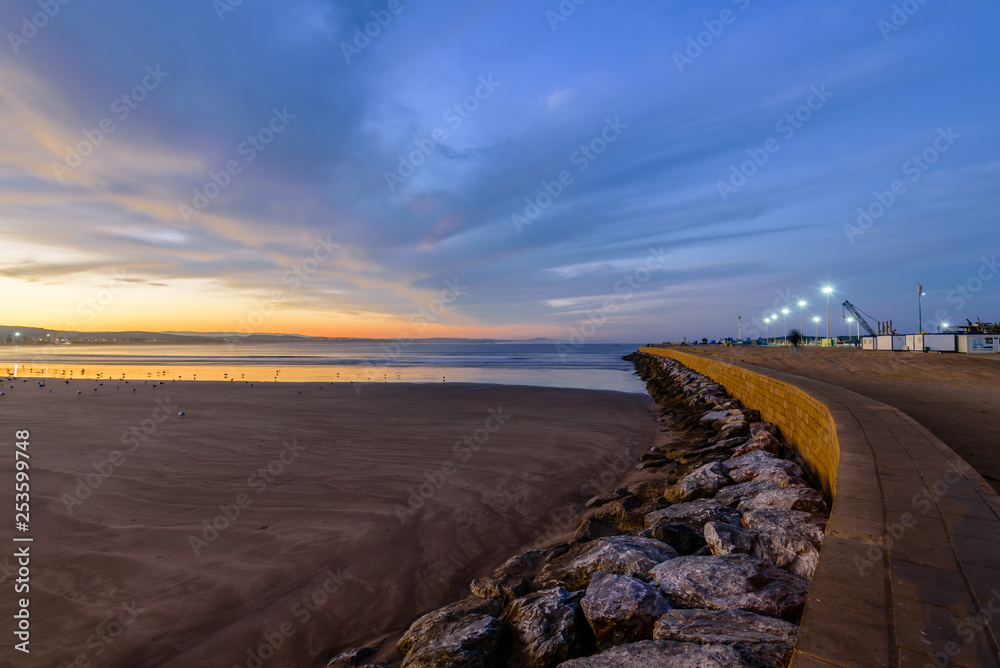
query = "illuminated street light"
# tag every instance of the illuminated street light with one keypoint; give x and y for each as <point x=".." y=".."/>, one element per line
<point x="816" y="320"/>
<point x="767" y="333"/>
<point x="828" y="291"/>
<point x="920" y="307"/>
<point x="785" y="312"/>
<point x="802" y="317"/>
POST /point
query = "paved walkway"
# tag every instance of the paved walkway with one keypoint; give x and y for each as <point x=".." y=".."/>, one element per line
<point x="909" y="573"/>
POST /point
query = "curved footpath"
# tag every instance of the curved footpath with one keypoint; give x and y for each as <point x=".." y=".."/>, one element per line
<point x="909" y="572"/>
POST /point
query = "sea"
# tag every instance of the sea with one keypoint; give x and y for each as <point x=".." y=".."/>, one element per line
<point x="595" y="366"/>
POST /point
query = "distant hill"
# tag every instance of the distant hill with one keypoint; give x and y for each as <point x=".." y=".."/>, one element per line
<point x="36" y="334"/>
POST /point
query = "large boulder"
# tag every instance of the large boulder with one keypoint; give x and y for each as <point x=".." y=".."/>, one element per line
<point x="624" y="555"/>
<point x="695" y="514"/>
<point x="805" y="499"/>
<point x="465" y="634"/>
<point x="711" y="417"/>
<point x="607" y="497"/>
<point x="761" y="465"/>
<point x="797" y="523"/>
<point x="684" y="539"/>
<point x="592" y="528"/>
<point x="758" y="639"/>
<point x="511" y="579"/>
<point x="732" y="581"/>
<point x="734" y="495"/>
<point x="543" y="628"/>
<point x="758" y="427"/>
<point x="704" y="481"/>
<point x="731" y="426"/>
<point x="763" y="440"/>
<point x="786" y="551"/>
<point x="623" y="514"/>
<point x="621" y="608"/>
<point x="662" y="653"/>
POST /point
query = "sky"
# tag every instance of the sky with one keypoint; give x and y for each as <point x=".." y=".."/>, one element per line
<point x="582" y="170"/>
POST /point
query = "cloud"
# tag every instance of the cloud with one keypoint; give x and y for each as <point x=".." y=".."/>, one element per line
<point x="324" y="176"/>
<point x="558" y="99"/>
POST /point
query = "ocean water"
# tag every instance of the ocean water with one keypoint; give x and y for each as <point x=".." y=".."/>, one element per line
<point x="587" y="366"/>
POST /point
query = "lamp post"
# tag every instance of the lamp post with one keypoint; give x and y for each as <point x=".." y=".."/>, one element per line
<point x="816" y="320"/>
<point x="785" y="312"/>
<point x="828" y="291"/>
<point x="767" y="329"/>
<point x="849" y="322"/>
<point x="920" y="307"/>
<point x="802" y="317"/>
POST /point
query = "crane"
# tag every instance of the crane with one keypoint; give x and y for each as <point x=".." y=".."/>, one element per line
<point x="853" y="310"/>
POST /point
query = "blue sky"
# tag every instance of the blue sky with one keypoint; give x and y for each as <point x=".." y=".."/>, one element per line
<point x="663" y="130"/>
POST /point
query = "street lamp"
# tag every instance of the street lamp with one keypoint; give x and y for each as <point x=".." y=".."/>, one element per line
<point x="828" y="291"/>
<point x="850" y="321"/>
<point x="816" y="320"/>
<point x="767" y="328"/>
<point x="785" y="312"/>
<point x="802" y="316"/>
<point x="920" y="307"/>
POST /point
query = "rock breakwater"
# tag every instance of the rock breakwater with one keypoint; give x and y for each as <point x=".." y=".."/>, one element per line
<point x="705" y="562"/>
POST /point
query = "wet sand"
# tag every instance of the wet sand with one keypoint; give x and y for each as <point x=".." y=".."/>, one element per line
<point x="326" y="551"/>
<point x="957" y="397"/>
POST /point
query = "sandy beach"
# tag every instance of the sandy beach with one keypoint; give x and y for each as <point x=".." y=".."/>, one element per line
<point x="957" y="397"/>
<point x="284" y="514"/>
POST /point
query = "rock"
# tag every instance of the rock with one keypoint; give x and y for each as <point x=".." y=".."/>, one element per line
<point x="703" y="481"/>
<point x="661" y="654"/>
<point x="351" y="658"/>
<point x="797" y="523"/>
<point x="590" y="529"/>
<point x="711" y="417"/>
<point x="511" y="579"/>
<point x="684" y="539"/>
<point x="465" y="634"/>
<point x="624" y="555"/>
<point x="763" y="465"/>
<point x="732" y="581"/>
<point x="613" y="495"/>
<point x="730" y="426"/>
<point x="543" y="628"/>
<point x="758" y="427"/>
<point x="695" y="514"/>
<point x="805" y="499"/>
<point x="650" y="489"/>
<point x="621" y="608"/>
<point x="729" y="443"/>
<point x="733" y="495"/>
<point x="758" y="639"/>
<point x="621" y="514"/>
<point x="786" y="551"/>
<point x="764" y="441"/>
